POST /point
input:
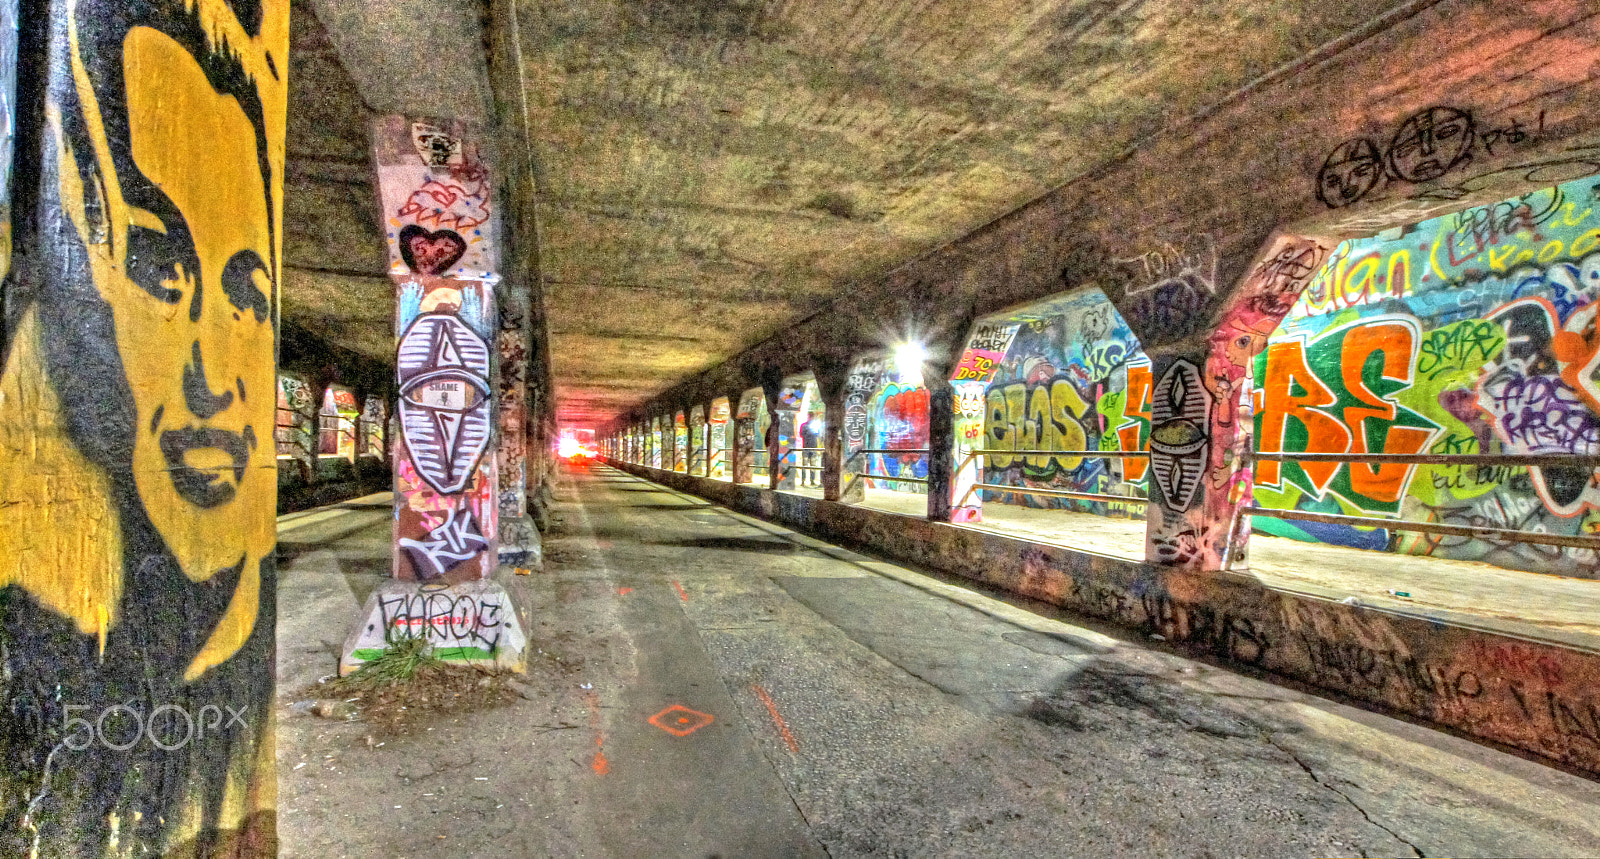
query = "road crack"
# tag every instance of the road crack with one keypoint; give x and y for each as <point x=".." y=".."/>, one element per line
<point x="1344" y="796"/>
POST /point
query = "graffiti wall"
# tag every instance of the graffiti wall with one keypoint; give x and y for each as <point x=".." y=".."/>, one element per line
<point x="979" y="363"/>
<point x="337" y="427"/>
<point x="897" y="419"/>
<point x="697" y="440"/>
<point x="473" y="622"/>
<point x="435" y="197"/>
<point x="374" y="417"/>
<point x="1473" y="333"/>
<point x="512" y="452"/>
<point x="680" y="442"/>
<point x="296" y="408"/>
<point x="137" y="459"/>
<point x="1073" y="378"/>
<point x="866" y="376"/>
<point x="721" y="417"/>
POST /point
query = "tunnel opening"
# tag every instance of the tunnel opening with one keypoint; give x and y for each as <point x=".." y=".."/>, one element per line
<point x="1053" y="425"/>
<point x="1427" y="416"/>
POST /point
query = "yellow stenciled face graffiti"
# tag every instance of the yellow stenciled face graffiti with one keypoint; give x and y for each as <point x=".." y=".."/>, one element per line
<point x="188" y="274"/>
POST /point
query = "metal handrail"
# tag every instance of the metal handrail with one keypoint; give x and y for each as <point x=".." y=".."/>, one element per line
<point x="1570" y="541"/>
<point x="1543" y="460"/>
<point x="1119" y="454"/>
<point x="1053" y="493"/>
<point x="870" y="476"/>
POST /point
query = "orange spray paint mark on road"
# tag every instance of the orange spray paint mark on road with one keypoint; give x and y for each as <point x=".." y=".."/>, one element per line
<point x="600" y="765"/>
<point x="681" y="594"/>
<point x="777" y="719"/>
<point x="680" y="721"/>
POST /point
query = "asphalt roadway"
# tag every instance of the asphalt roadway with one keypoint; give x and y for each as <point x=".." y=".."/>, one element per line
<point x="705" y="684"/>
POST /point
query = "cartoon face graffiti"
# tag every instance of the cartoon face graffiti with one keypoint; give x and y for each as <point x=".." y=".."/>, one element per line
<point x="1431" y="143"/>
<point x="1349" y="172"/>
<point x="170" y="173"/>
<point x="434" y="146"/>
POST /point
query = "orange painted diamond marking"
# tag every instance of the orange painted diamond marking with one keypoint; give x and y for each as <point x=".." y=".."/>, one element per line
<point x="680" y="721"/>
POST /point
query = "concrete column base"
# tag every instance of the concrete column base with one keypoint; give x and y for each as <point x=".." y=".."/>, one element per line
<point x="520" y="543"/>
<point x="472" y="623"/>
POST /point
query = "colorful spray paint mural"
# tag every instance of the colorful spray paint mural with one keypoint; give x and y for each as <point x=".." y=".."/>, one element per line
<point x="697" y="440"/>
<point x="337" y="427"/>
<point x="137" y="464"/>
<point x="680" y="442"/>
<point x="296" y="408"/>
<point x="897" y="419"/>
<point x="652" y="443"/>
<point x="979" y="363"/>
<point x="720" y="419"/>
<point x="1472" y="333"/>
<point x="1073" y="378"/>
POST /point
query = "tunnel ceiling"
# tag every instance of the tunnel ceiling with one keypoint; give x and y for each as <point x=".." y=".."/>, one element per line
<point x="713" y="170"/>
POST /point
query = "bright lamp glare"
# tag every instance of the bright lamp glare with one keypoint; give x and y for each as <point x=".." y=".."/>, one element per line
<point x="908" y="358"/>
<point x="568" y="446"/>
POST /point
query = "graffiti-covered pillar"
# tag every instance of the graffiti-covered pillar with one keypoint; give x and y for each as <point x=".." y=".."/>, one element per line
<point x="832" y="384"/>
<point x="979" y="364"/>
<point x="866" y="376"/>
<point x="439" y="219"/>
<point x="138" y="475"/>
<point x="741" y="436"/>
<point x="519" y="538"/>
<point x="1201" y="421"/>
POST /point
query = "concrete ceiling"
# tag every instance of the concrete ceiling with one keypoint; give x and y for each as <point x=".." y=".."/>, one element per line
<point x="711" y="171"/>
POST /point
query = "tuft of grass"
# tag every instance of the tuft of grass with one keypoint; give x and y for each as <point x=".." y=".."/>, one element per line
<point x="400" y="662"/>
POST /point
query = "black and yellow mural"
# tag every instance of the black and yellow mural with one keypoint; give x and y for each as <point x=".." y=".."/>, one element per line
<point x="137" y="397"/>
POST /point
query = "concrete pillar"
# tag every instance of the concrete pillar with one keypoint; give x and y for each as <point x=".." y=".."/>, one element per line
<point x="138" y="474"/>
<point x="444" y="263"/>
<point x="941" y="445"/>
<point x="741" y="437"/>
<point x="777" y="475"/>
<point x="520" y="544"/>
<point x="705" y="441"/>
<point x="866" y="375"/>
<point x="1201" y="421"/>
<point x="832" y="386"/>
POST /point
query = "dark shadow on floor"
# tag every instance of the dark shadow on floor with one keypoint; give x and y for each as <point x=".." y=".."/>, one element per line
<point x="733" y="544"/>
